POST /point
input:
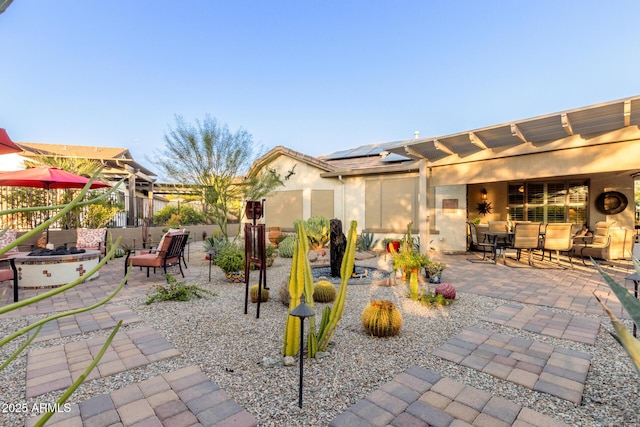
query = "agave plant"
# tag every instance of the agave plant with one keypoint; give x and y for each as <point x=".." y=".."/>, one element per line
<point x="632" y="305"/>
<point x="317" y="229"/>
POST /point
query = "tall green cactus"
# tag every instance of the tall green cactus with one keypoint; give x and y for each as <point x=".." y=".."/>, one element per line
<point x="331" y="317"/>
<point x="300" y="282"/>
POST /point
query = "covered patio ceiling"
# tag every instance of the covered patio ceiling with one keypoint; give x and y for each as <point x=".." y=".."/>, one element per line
<point x="593" y="119"/>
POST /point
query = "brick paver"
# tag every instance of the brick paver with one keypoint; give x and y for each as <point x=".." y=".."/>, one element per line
<point x="417" y="397"/>
<point x="546" y="322"/>
<point x="70" y="360"/>
<point x="523" y="362"/>
<point x="444" y="403"/>
<point x="158" y="401"/>
<point x="104" y="317"/>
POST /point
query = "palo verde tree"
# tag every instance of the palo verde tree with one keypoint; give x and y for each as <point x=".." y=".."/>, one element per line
<point x="214" y="158"/>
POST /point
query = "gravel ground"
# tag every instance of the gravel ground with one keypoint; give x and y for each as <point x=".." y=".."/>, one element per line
<point x="230" y="347"/>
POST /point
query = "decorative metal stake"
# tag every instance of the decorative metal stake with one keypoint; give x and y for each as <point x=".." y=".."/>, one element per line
<point x="302" y="311"/>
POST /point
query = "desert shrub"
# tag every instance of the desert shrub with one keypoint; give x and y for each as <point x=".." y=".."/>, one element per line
<point x="176" y="291"/>
<point x="187" y="216"/>
<point x="230" y="258"/>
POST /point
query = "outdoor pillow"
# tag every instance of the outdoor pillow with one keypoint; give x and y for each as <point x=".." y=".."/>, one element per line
<point x="90" y="238"/>
<point x="161" y="246"/>
<point x="8" y="238"/>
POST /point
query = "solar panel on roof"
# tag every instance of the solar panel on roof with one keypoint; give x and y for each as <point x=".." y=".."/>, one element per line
<point x="393" y="157"/>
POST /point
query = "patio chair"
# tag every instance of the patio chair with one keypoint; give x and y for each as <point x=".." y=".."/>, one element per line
<point x="7" y="238"/>
<point x="558" y="237"/>
<point x="93" y="239"/>
<point x="498" y="226"/>
<point x="476" y="243"/>
<point x="168" y="254"/>
<point x="599" y="244"/>
<point x="10" y="273"/>
<point x="526" y="235"/>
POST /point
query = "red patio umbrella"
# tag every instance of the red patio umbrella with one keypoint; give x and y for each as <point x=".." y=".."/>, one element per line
<point x="6" y="144"/>
<point x="46" y="177"/>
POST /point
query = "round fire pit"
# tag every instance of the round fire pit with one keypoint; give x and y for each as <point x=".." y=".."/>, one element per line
<point x="50" y="271"/>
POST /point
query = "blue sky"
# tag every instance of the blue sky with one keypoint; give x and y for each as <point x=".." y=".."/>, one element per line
<point x="314" y="76"/>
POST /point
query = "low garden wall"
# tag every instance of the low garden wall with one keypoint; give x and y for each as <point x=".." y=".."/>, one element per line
<point x="132" y="237"/>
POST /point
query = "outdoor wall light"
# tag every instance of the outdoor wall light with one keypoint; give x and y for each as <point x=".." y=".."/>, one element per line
<point x="484" y="194"/>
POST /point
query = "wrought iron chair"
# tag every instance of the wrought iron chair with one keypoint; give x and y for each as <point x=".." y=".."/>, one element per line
<point x="10" y="273"/>
<point x="475" y="242"/>
<point x="168" y="254"/>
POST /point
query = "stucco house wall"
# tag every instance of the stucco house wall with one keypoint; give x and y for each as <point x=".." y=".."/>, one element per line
<point x="451" y="171"/>
<point x="302" y="184"/>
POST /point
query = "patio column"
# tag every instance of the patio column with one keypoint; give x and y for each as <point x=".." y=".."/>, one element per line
<point x="131" y="184"/>
<point x="150" y="201"/>
<point x="424" y="215"/>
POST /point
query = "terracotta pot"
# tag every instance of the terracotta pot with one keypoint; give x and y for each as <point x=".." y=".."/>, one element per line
<point x="274" y="234"/>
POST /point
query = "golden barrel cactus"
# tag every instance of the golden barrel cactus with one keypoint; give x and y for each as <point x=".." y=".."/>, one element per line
<point x="381" y="318"/>
<point x="324" y="291"/>
<point x="253" y="294"/>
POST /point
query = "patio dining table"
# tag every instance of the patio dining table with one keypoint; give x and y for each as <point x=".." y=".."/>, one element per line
<point x="499" y="240"/>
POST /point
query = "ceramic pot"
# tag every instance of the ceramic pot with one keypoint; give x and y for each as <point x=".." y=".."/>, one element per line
<point x="396" y="246"/>
<point x="235" y="276"/>
<point x="274" y="234"/>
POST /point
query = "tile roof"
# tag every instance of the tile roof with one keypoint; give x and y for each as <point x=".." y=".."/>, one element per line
<point x="66" y="150"/>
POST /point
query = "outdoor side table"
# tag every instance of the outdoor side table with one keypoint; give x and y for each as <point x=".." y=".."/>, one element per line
<point x="636" y="279"/>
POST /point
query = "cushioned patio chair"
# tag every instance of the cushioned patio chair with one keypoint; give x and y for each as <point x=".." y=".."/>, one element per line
<point x="7" y="238"/>
<point x="168" y="254"/>
<point x="9" y="273"/>
<point x="558" y="237"/>
<point x="92" y="239"/>
<point x="599" y="244"/>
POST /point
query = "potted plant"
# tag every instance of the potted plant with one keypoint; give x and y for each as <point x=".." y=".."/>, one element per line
<point x="231" y="260"/>
<point x="391" y="243"/>
<point x="408" y="262"/>
<point x="408" y="259"/>
<point x="434" y="270"/>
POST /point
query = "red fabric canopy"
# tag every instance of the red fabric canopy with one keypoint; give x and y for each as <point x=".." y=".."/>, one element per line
<point x="6" y="144"/>
<point x="46" y="177"/>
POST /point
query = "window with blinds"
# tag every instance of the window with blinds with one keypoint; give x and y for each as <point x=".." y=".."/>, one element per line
<point x="548" y="202"/>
